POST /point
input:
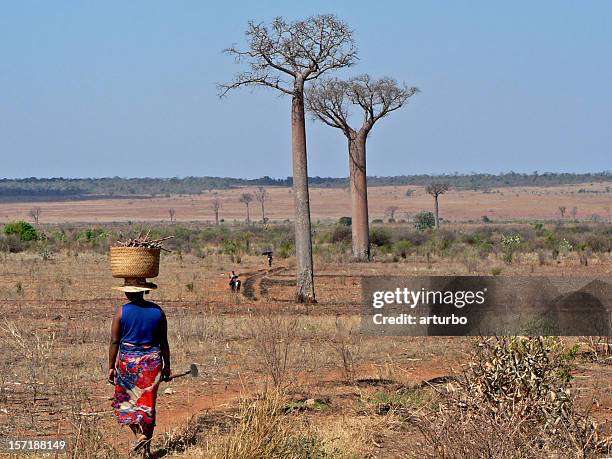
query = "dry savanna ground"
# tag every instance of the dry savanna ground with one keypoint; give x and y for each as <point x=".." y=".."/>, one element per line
<point x="591" y="200"/>
<point x="356" y="396"/>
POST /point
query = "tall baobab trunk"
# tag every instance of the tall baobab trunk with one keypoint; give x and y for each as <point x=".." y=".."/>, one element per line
<point x="359" y="196"/>
<point x="263" y="212"/>
<point x="436" y="215"/>
<point x="303" y="241"/>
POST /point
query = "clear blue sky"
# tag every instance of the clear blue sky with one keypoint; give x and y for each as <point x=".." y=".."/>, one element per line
<point x="127" y="88"/>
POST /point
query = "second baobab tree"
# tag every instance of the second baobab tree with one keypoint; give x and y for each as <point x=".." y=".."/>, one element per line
<point x="261" y="194"/>
<point x="436" y="189"/>
<point x="246" y="199"/>
<point x="332" y="101"/>
<point x="284" y="56"/>
<point x="216" y="206"/>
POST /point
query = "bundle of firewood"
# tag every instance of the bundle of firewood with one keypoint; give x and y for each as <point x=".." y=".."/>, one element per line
<point x="143" y="241"/>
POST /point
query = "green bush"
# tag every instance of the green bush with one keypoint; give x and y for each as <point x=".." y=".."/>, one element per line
<point x="24" y="230"/>
<point x="401" y="248"/>
<point x="424" y="220"/>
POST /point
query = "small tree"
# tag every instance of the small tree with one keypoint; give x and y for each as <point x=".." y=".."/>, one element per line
<point x="171" y="212"/>
<point x="424" y="220"/>
<point x="391" y="212"/>
<point x="436" y="189"/>
<point x="35" y="214"/>
<point x="262" y="196"/>
<point x="216" y="205"/>
<point x="562" y="211"/>
<point x="246" y="199"/>
<point x="574" y="212"/>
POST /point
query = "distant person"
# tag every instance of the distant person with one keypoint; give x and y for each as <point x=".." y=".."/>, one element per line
<point x="138" y="360"/>
<point x="234" y="282"/>
<point x="270" y="259"/>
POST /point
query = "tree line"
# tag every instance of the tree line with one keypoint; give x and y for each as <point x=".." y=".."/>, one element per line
<point x="119" y="186"/>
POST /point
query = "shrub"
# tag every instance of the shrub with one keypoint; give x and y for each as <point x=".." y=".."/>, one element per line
<point x="24" y="230"/>
<point x="514" y="401"/>
<point x="345" y="221"/>
<point x="380" y="237"/>
<point x="444" y="239"/>
<point x="11" y="244"/>
<point x="402" y="247"/>
<point x="510" y="244"/>
<point x="266" y="430"/>
<point x="424" y="220"/>
<point x="341" y="234"/>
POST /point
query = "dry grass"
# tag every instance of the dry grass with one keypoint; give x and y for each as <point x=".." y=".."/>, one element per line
<point x="54" y="338"/>
<point x="513" y="402"/>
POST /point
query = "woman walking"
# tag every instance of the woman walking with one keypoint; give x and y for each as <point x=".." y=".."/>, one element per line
<point x="138" y="360"/>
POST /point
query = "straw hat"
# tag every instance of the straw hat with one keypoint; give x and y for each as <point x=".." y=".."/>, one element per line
<point x="135" y="284"/>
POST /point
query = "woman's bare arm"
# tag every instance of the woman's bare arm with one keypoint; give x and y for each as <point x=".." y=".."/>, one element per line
<point x="113" y="348"/>
<point x="165" y="348"/>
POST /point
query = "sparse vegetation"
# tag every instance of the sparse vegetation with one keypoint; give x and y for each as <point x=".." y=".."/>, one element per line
<point x="24" y="230"/>
<point x="514" y="401"/>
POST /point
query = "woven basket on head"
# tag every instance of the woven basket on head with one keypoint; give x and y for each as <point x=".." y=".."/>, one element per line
<point x="134" y="262"/>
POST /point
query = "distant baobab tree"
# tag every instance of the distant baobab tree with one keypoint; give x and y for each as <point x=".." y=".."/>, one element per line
<point x="35" y="214"/>
<point x="391" y="212"/>
<point x="574" y="212"/>
<point x="216" y="205"/>
<point x="330" y="101"/>
<point x="284" y="56"/>
<point x="261" y="194"/>
<point x="436" y="189"/>
<point x="562" y="210"/>
<point x="171" y="212"/>
<point x="246" y="199"/>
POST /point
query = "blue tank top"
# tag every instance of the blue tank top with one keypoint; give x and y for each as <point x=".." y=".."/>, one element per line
<point x="140" y="323"/>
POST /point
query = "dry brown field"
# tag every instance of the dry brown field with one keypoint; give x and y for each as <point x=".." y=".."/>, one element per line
<point x="517" y="203"/>
<point x="54" y="333"/>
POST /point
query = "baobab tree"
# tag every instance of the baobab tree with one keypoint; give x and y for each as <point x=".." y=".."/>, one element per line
<point x="35" y="214"/>
<point x="284" y="56"/>
<point x="216" y="206"/>
<point x="562" y="210"/>
<point x="330" y="101"/>
<point x="574" y="212"/>
<point x="246" y="199"/>
<point x="436" y="189"/>
<point x="261" y="194"/>
<point x="391" y="212"/>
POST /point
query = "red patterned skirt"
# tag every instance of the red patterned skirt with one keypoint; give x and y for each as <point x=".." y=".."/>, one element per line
<point x="138" y="374"/>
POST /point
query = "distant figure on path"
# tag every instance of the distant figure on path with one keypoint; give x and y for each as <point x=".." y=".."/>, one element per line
<point x="138" y="360"/>
<point x="268" y="253"/>
<point x="234" y="282"/>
